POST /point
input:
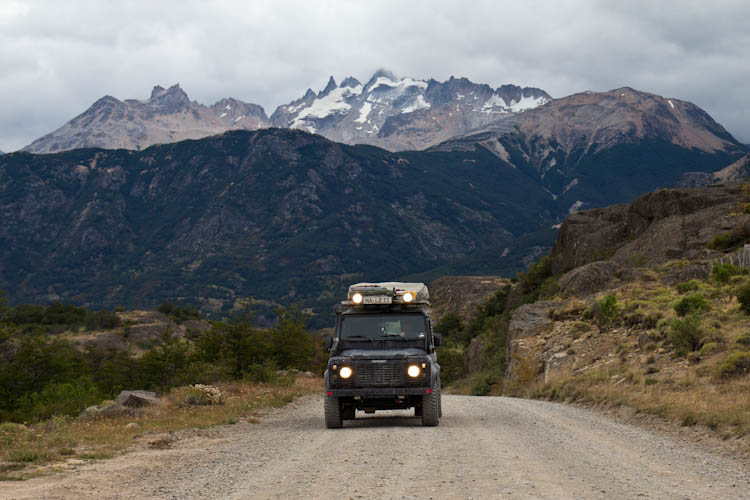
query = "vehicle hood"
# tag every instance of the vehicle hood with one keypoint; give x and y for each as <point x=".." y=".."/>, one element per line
<point x="382" y="353"/>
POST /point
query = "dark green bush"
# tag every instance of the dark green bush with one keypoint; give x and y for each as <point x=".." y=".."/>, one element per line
<point x="102" y="320"/>
<point x="177" y="313"/>
<point x="743" y="297"/>
<point x="723" y="271"/>
<point x="695" y="303"/>
<point x="452" y="365"/>
<point x="687" y="334"/>
<point x="606" y="311"/>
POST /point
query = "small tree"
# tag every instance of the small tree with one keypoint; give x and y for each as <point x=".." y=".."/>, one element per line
<point x="743" y="297"/>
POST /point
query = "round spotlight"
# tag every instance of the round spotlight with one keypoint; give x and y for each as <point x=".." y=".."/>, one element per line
<point x="413" y="371"/>
<point x="357" y="298"/>
<point x="408" y="297"/>
<point x="345" y="372"/>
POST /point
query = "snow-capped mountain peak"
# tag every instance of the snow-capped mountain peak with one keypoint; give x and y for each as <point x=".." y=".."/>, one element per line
<point x="403" y="113"/>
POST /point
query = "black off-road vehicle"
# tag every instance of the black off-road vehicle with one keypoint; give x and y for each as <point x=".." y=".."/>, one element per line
<point x="383" y="354"/>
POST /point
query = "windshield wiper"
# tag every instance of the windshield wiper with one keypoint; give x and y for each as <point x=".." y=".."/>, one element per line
<point x="357" y="338"/>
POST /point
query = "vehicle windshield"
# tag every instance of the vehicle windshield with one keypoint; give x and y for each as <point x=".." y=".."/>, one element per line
<point x="383" y="327"/>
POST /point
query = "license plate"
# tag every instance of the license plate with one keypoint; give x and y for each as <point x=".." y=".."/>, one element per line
<point x="377" y="299"/>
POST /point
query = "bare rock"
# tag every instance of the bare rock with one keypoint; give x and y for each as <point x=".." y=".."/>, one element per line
<point x="590" y="278"/>
<point x="137" y="399"/>
<point x="474" y="355"/>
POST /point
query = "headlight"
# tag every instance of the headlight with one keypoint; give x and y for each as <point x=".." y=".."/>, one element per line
<point x="357" y="299"/>
<point x="413" y="371"/>
<point x="408" y="297"/>
<point x="345" y="372"/>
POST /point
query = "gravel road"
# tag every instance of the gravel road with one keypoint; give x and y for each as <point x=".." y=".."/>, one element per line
<point x="484" y="448"/>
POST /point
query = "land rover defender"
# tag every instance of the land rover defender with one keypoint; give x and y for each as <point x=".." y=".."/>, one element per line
<point x="382" y="354"/>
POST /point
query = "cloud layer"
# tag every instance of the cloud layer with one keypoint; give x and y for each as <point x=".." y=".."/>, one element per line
<point x="59" y="57"/>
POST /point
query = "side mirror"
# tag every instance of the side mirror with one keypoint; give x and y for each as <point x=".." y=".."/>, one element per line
<point x="329" y="342"/>
<point x="438" y="339"/>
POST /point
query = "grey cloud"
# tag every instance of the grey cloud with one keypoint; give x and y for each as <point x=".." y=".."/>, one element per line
<point x="59" y="57"/>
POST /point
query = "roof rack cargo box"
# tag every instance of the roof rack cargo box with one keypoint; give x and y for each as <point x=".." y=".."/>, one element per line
<point x="393" y="289"/>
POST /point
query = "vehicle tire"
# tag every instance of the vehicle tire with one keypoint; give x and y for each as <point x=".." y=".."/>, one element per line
<point x="431" y="408"/>
<point x="334" y="417"/>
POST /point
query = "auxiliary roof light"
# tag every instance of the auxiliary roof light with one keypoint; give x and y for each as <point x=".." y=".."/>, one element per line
<point x="357" y="298"/>
<point x="408" y="297"/>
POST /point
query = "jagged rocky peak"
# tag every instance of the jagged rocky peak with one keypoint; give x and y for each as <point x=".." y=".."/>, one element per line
<point x="329" y="87"/>
<point x="171" y="100"/>
<point x="402" y="112"/>
<point x="167" y="115"/>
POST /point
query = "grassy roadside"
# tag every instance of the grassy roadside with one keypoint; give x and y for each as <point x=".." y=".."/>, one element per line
<point x="31" y="450"/>
<point x="676" y="351"/>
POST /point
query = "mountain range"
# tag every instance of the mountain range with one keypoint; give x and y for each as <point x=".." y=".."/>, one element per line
<point x="281" y="215"/>
<point x="392" y="113"/>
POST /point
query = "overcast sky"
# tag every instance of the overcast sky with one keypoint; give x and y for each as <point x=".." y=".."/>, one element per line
<point x="58" y="57"/>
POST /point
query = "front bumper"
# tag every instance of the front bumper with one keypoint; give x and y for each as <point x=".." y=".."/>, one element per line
<point x="375" y="392"/>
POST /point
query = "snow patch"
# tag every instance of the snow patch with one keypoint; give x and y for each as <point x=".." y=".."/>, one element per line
<point x="570" y="185"/>
<point x="333" y="102"/>
<point x="575" y="207"/>
<point x="506" y="251"/>
<point x="494" y="102"/>
<point x="228" y="107"/>
<point x="239" y="118"/>
<point x="557" y="226"/>
<point x="363" y="112"/>
<point x="223" y="115"/>
<point x="527" y="103"/>
<point x="419" y="103"/>
<point x="670" y="103"/>
<point x="459" y="96"/>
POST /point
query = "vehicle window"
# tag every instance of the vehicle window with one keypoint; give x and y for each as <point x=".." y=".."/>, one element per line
<point x="407" y="326"/>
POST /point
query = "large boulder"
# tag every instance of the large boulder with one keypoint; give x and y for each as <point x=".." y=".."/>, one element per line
<point x="589" y="278"/>
<point x="137" y="399"/>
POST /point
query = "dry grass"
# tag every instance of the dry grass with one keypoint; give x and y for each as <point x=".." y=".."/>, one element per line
<point x="26" y="450"/>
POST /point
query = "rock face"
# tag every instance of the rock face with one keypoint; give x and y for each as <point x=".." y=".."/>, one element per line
<point x="463" y="294"/>
<point x="167" y="116"/>
<point x="403" y="113"/>
<point x="658" y="226"/>
<point x="529" y="320"/>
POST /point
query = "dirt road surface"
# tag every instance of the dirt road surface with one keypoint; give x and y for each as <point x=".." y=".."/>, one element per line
<point x="484" y="448"/>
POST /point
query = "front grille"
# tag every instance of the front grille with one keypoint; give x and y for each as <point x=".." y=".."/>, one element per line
<point x="369" y="374"/>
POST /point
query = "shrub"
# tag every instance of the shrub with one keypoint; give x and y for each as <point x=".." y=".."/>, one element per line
<point x="709" y="347"/>
<point x="691" y="304"/>
<point x="736" y="363"/>
<point x="197" y="395"/>
<point x="723" y="271"/>
<point x="687" y="286"/>
<point x="687" y="333"/>
<point x="452" y="366"/>
<point x="102" y="320"/>
<point x="177" y="313"/>
<point x="743" y="297"/>
<point x="606" y="311"/>
<point x="744" y="339"/>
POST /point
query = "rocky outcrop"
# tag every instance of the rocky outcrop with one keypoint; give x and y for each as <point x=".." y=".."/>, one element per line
<point x="530" y="320"/>
<point x="462" y="295"/>
<point x="589" y="278"/>
<point x="658" y="226"/>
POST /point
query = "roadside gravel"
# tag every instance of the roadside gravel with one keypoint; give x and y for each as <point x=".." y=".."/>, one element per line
<point x="484" y="448"/>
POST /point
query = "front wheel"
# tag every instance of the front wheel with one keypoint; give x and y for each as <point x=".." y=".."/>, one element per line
<point x="431" y="408"/>
<point x="333" y="414"/>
